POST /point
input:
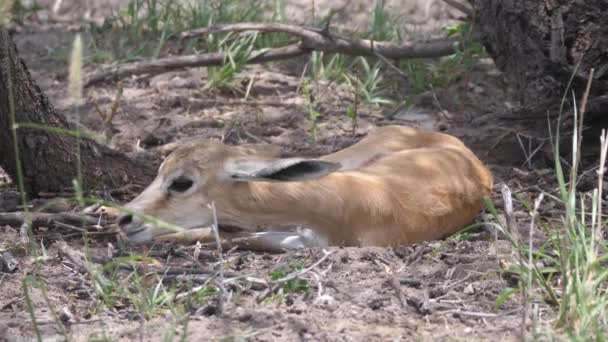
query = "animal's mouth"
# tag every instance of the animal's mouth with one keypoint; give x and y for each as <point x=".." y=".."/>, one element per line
<point x="148" y="233"/>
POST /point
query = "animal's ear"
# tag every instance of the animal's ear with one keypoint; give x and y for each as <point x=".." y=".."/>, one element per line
<point x="290" y="169"/>
<point x="261" y="150"/>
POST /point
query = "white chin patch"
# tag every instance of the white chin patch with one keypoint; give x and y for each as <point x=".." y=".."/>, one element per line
<point x="140" y="237"/>
<point x="145" y="235"/>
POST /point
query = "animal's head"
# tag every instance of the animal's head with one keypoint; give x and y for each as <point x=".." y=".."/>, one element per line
<point x="199" y="173"/>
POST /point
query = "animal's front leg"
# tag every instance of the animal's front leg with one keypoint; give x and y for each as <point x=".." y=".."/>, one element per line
<point x="272" y="241"/>
<point x="278" y="241"/>
<point x="203" y="235"/>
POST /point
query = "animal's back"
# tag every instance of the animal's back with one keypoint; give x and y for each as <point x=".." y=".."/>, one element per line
<point x="409" y="186"/>
<point x="387" y="140"/>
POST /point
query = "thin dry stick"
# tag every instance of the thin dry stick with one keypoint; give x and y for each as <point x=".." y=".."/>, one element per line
<point x="509" y="217"/>
<point x="533" y="153"/>
<point x="10" y="303"/>
<point x="218" y="103"/>
<point x="107" y="121"/>
<point x="24" y="229"/>
<point x="249" y="86"/>
<point x="302" y="79"/>
<point x="523" y="149"/>
<point x="319" y="285"/>
<point x="582" y="110"/>
<point x="397" y="287"/>
<point x="392" y="66"/>
<point x="322" y="298"/>
<point x="293" y="275"/>
<point x="526" y="313"/>
<point x="216" y="233"/>
<point x="470" y="313"/>
<point x="76" y="257"/>
<point x="600" y="180"/>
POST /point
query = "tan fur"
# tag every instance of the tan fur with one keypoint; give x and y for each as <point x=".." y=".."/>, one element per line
<point x="398" y="185"/>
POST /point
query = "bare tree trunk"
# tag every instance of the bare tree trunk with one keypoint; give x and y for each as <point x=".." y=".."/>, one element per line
<point x="49" y="160"/>
<point x="540" y="45"/>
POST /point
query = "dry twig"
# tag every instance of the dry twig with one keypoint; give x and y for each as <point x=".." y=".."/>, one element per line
<point x="10" y="303"/>
<point x="108" y="117"/>
<point x="24" y="229"/>
<point x="75" y="257"/>
<point x="216" y="234"/>
<point x="470" y="313"/>
<point x="509" y="215"/>
<point x="277" y="284"/>
<point x="396" y="285"/>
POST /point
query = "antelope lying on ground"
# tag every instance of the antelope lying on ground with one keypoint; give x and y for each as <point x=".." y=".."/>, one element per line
<point x="399" y="185"/>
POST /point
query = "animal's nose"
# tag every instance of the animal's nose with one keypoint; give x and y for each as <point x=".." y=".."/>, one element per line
<point x="125" y="220"/>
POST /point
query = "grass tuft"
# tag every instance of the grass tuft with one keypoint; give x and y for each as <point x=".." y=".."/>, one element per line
<point x="149" y="28"/>
<point x="75" y="72"/>
<point x="5" y="12"/>
<point x="568" y="273"/>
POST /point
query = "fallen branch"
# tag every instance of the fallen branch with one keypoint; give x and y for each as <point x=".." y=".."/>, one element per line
<point x="162" y="65"/>
<point x="315" y="39"/>
<point x="311" y="39"/>
<point x="44" y="219"/>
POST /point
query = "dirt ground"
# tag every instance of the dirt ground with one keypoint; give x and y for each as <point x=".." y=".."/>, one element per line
<point x="449" y="289"/>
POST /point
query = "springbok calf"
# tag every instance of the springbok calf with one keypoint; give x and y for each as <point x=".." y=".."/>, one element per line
<point x="399" y="185"/>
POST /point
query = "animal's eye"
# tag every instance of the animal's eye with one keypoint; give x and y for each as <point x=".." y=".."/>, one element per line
<point x="181" y="184"/>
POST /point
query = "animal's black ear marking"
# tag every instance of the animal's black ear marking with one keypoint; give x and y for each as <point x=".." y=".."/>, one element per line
<point x="291" y="169"/>
<point x="305" y="169"/>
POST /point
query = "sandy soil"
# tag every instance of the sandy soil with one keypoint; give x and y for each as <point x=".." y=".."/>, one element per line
<point x="449" y="288"/>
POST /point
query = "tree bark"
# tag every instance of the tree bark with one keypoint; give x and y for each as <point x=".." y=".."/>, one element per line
<point x="49" y="159"/>
<point x="540" y="45"/>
